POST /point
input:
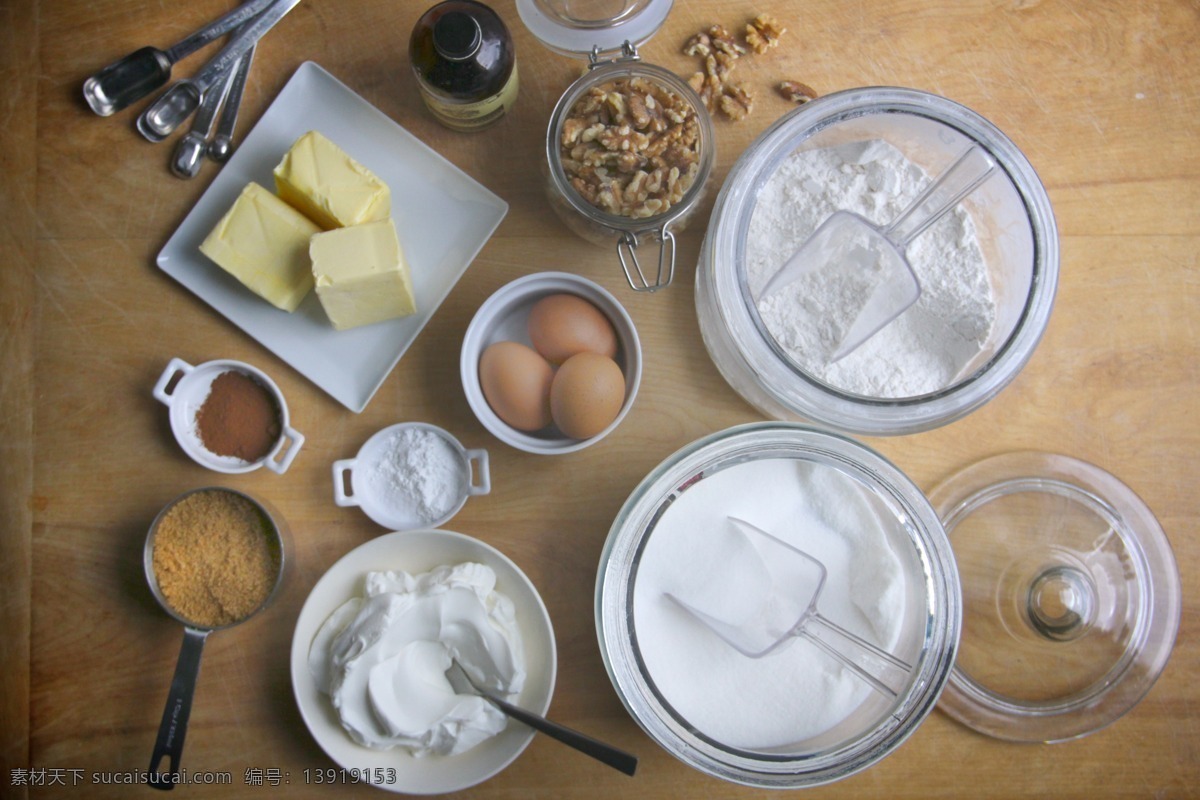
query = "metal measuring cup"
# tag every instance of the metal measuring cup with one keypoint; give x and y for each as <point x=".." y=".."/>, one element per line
<point x="173" y="727"/>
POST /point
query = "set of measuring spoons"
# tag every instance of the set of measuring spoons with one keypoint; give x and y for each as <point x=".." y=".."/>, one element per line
<point x="213" y="94"/>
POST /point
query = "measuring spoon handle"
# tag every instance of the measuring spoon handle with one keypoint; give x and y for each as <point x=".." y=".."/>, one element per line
<point x="189" y="151"/>
<point x="215" y="29"/>
<point x="221" y="146"/>
<point x="173" y="728"/>
<point x="246" y="37"/>
<point x="131" y="78"/>
<point x="178" y="103"/>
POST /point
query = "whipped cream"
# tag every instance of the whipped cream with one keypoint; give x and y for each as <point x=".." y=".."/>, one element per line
<point x="382" y="659"/>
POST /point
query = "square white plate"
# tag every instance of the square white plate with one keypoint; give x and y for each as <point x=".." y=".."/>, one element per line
<point x="442" y="215"/>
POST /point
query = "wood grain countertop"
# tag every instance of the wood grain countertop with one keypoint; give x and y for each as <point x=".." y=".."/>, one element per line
<point x="1102" y="98"/>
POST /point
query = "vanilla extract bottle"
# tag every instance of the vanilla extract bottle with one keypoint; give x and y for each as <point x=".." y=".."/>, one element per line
<point x="466" y="67"/>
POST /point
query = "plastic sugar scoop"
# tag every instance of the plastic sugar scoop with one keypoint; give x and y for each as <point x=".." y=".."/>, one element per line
<point x="784" y="585"/>
<point x="872" y="258"/>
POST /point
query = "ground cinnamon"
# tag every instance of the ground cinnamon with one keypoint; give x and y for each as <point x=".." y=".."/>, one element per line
<point x="215" y="557"/>
<point x="239" y="418"/>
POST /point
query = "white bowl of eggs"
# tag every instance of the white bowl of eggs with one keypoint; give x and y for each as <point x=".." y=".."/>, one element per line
<point x="551" y="363"/>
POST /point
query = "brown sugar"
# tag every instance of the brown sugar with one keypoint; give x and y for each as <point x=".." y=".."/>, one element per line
<point x="239" y="418"/>
<point x="214" y="558"/>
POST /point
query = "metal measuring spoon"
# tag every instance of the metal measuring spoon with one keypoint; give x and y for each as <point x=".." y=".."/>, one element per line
<point x="177" y="103"/>
<point x="189" y="152"/>
<point x="141" y="72"/>
<point x="173" y="727"/>
<point x="221" y="145"/>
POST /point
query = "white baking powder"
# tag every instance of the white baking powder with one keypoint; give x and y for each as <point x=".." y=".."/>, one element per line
<point x="797" y="691"/>
<point x="925" y="348"/>
<point x="420" y="473"/>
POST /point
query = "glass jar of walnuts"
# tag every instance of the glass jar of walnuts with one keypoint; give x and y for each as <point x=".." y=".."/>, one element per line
<point x="629" y="146"/>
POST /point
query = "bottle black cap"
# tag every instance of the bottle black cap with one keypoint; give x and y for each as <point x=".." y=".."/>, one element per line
<point x="456" y="36"/>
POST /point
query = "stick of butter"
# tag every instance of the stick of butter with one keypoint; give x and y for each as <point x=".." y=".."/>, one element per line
<point x="328" y="186"/>
<point x="263" y="242"/>
<point x="361" y="274"/>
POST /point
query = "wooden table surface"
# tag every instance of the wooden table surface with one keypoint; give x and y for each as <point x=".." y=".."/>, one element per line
<point x="1101" y="96"/>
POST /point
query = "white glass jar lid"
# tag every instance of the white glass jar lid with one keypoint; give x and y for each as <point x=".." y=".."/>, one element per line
<point x="580" y="27"/>
<point x="1071" y="597"/>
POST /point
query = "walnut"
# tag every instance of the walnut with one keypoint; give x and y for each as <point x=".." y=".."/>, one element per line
<point x="737" y="102"/>
<point x="797" y="92"/>
<point x="623" y="138"/>
<point x="571" y="130"/>
<point x="614" y="103"/>
<point x="698" y="45"/>
<point x="631" y="147"/>
<point x="763" y="33"/>
<point x="639" y="113"/>
<point x="724" y="42"/>
<point x="719" y="51"/>
<point x="724" y="65"/>
<point x="630" y="162"/>
<point x="708" y="85"/>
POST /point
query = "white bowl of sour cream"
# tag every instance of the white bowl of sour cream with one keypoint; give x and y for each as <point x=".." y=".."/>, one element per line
<point x="379" y="626"/>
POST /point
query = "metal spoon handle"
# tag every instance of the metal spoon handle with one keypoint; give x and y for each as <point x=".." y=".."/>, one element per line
<point x="605" y="753"/>
<point x="173" y="728"/>
<point x="242" y="41"/>
<point x="189" y="152"/>
<point x="176" y="104"/>
<point x="219" y="27"/>
<point x="131" y="78"/>
<point x="221" y="145"/>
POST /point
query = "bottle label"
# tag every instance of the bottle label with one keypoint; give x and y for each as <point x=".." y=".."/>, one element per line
<point x="473" y="116"/>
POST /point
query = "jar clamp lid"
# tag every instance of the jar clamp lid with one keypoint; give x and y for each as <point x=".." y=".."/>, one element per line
<point x="609" y="40"/>
<point x="574" y="29"/>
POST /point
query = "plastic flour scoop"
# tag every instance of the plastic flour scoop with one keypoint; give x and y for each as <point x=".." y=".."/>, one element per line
<point x="873" y="257"/>
<point x="785" y="584"/>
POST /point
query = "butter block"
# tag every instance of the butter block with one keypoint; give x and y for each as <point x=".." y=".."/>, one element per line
<point x="263" y="242"/>
<point x="328" y="186"/>
<point x="361" y="274"/>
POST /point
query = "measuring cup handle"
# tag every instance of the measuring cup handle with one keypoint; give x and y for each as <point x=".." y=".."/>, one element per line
<point x="481" y="478"/>
<point x="293" y="439"/>
<point x="343" y="472"/>
<point x="173" y="728"/>
<point x="960" y="179"/>
<point x="173" y="368"/>
<point x="884" y="672"/>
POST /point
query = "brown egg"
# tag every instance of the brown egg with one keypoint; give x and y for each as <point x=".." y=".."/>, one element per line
<point x="561" y="325"/>
<point x="586" y="395"/>
<point x="516" y="384"/>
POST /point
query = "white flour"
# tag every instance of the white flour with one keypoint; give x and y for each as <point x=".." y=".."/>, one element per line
<point x="798" y="691"/>
<point x="421" y="473"/>
<point x="927" y="346"/>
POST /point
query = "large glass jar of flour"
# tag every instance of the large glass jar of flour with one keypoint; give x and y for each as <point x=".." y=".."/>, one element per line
<point x="988" y="270"/>
<point x="622" y="108"/>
